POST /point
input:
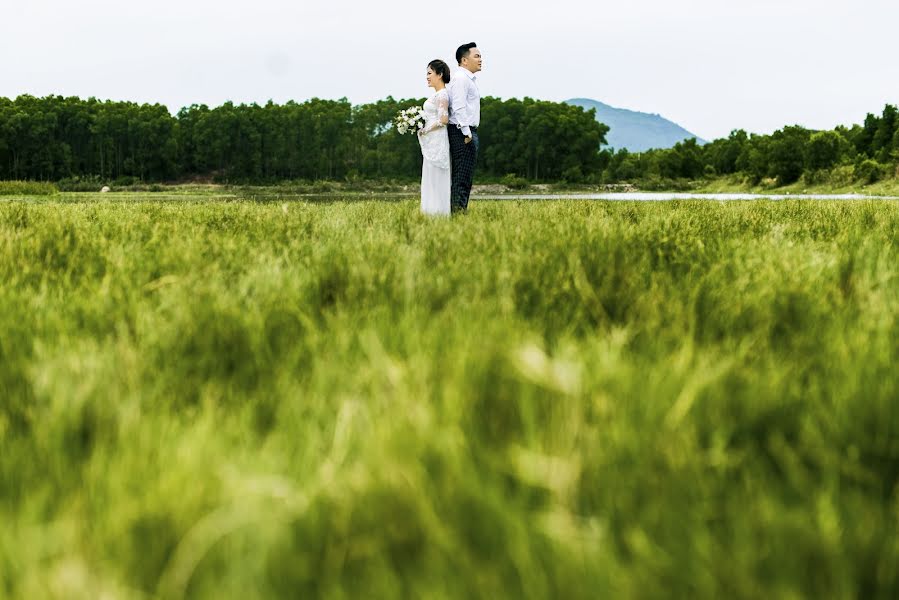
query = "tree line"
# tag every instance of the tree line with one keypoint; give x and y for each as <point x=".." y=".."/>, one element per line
<point x="55" y="138"/>
<point x="860" y="153"/>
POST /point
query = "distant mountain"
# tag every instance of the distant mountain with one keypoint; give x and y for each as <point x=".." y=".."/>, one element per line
<point x="634" y="130"/>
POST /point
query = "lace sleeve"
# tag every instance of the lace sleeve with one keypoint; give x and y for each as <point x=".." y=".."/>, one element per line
<point x="443" y="107"/>
<point x="442" y="100"/>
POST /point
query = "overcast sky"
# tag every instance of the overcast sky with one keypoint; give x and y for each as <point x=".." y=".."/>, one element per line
<point x="709" y="65"/>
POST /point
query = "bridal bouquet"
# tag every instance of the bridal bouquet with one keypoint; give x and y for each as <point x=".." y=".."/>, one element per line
<point x="409" y="120"/>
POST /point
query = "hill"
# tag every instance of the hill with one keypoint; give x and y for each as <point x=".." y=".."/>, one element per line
<point x="636" y="131"/>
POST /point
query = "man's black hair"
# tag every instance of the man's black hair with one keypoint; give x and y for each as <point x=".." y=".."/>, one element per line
<point x="463" y="51"/>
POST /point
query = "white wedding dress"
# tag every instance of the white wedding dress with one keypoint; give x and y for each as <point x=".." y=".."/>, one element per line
<point x="435" y="168"/>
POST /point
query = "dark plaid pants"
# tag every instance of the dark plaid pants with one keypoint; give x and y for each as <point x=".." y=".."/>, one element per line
<point x="463" y="157"/>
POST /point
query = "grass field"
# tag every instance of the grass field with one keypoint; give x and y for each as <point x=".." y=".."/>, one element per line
<point x="209" y="399"/>
<point x="885" y="187"/>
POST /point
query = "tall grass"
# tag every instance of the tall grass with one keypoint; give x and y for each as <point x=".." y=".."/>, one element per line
<point x="27" y="188"/>
<point x="537" y="400"/>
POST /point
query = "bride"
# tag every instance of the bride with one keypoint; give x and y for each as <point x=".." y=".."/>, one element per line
<point x="435" y="169"/>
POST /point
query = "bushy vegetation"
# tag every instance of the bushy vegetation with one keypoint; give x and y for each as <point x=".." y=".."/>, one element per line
<point x="536" y="400"/>
<point x="57" y="138"/>
<point x="27" y="188"/>
<point x="861" y="154"/>
<point x="82" y="143"/>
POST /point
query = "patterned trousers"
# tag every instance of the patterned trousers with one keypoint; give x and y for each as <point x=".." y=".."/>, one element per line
<point x="463" y="157"/>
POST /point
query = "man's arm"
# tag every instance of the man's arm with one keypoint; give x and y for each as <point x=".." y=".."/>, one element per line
<point x="460" y="104"/>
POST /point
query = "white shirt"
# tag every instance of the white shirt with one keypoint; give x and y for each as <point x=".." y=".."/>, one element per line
<point x="465" y="100"/>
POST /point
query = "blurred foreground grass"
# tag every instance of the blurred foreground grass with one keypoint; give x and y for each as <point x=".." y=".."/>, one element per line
<point x="540" y="400"/>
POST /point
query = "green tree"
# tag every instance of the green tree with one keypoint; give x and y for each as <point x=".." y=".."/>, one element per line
<point x="723" y="154"/>
<point x="823" y="150"/>
<point x="864" y="138"/>
<point x="785" y="153"/>
<point x="882" y="142"/>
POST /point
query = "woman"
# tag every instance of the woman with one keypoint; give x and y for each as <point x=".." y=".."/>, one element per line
<point x="435" y="169"/>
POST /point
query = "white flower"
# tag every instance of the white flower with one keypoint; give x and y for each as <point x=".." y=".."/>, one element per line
<point x="409" y="120"/>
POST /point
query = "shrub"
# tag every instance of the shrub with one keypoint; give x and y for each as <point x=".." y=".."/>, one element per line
<point x="80" y="184"/>
<point x="843" y="175"/>
<point x="320" y="187"/>
<point x="514" y="182"/>
<point x="655" y="183"/>
<point x="27" y="188"/>
<point x="816" y="177"/>
<point x="869" y="171"/>
<point x="573" y="175"/>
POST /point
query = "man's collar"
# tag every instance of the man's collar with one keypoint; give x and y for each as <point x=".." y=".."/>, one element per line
<point x="471" y="75"/>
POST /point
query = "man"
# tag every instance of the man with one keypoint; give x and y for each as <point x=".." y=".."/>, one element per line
<point x="465" y="116"/>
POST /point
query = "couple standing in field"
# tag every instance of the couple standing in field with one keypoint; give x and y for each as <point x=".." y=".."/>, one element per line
<point x="449" y="137"/>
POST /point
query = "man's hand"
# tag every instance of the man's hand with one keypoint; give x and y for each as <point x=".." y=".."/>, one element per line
<point x="468" y="140"/>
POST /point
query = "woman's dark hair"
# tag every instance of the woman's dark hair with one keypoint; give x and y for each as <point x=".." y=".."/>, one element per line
<point x="440" y="68"/>
<point x="463" y="51"/>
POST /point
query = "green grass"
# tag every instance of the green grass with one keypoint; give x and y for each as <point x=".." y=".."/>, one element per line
<point x="203" y="398"/>
<point x="27" y="188"/>
<point x="739" y="184"/>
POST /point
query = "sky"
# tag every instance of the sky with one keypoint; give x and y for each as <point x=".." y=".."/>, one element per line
<point x="710" y="66"/>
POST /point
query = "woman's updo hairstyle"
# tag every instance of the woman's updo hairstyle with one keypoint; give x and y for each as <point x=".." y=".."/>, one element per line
<point x="441" y="69"/>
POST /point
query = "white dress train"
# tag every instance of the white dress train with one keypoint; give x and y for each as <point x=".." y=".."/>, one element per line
<point x="435" y="168"/>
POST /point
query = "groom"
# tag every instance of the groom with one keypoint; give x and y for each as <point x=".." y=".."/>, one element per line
<point x="464" y="118"/>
